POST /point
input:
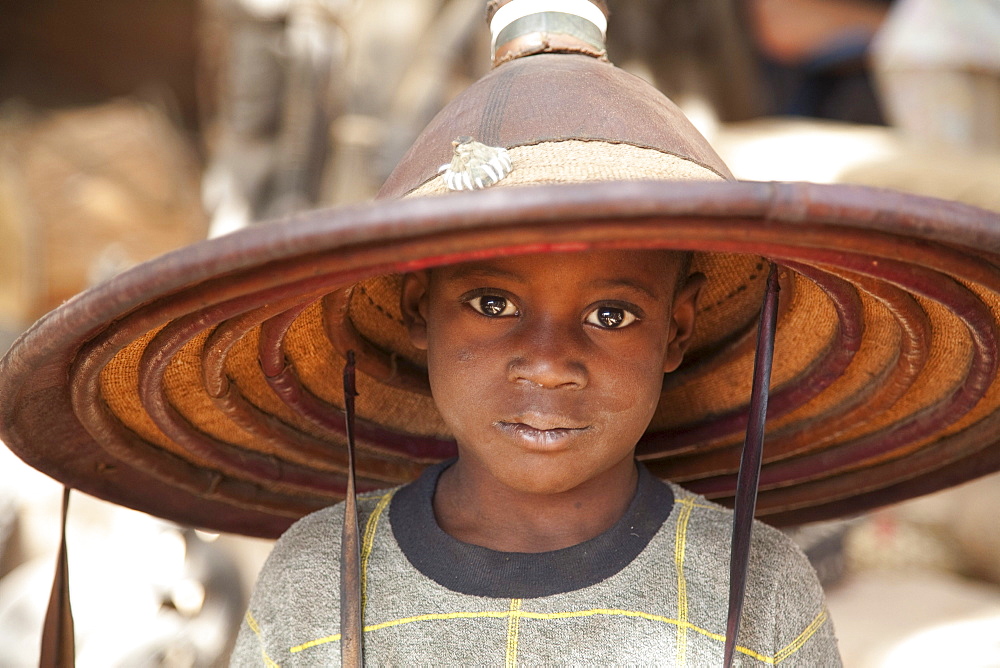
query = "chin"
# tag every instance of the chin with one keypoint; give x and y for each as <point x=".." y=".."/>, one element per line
<point x="546" y="479"/>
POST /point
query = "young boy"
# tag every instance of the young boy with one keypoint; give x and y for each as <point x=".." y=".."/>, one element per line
<point x="522" y="347"/>
<point x="543" y="542"/>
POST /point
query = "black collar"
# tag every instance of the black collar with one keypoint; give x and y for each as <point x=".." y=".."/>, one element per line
<point x="479" y="571"/>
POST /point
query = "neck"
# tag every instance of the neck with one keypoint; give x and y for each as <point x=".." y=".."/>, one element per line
<point x="473" y="507"/>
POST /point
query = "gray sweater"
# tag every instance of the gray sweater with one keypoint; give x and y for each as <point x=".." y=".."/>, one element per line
<point x="652" y="590"/>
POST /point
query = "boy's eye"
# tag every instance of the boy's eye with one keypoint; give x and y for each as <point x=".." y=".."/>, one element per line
<point x="610" y="317"/>
<point x="493" y="306"/>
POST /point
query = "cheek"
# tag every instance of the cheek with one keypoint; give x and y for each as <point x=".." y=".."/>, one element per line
<point x="458" y="375"/>
<point x="449" y="369"/>
<point x="638" y="399"/>
<point x="633" y="380"/>
<point x="632" y="408"/>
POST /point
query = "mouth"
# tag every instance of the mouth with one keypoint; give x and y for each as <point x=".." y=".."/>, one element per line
<point x="540" y="431"/>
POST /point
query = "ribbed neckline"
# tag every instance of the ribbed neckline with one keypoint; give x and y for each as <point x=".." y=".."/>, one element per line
<point x="479" y="571"/>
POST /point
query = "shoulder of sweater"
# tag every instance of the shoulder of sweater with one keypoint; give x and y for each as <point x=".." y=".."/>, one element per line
<point x="772" y="548"/>
<point x="320" y="531"/>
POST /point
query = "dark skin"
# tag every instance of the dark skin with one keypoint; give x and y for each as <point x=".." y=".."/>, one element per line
<point x="548" y="369"/>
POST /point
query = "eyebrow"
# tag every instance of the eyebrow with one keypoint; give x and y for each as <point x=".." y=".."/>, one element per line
<point x="624" y="283"/>
<point x="484" y="272"/>
<point x="480" y="272"/>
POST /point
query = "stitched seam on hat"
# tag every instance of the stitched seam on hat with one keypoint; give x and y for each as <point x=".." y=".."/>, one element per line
<point x="489" y="128"/>
<point x="737" y="290"/>
<point x="378" y="307"/>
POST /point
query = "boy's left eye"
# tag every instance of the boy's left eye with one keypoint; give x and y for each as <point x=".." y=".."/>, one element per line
<point x="610" y="317"/>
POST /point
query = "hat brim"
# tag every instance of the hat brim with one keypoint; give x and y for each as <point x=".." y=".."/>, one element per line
<point x="211" y="450"/>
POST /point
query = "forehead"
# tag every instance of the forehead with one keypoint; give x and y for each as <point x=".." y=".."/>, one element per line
<point x="655" y="272"/>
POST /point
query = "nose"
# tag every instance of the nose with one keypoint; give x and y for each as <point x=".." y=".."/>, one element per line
<point x="551" y="358"/>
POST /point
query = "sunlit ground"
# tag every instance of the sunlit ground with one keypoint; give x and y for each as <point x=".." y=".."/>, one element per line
<point x="144" y="591"/>
<point x="916" y="619"/>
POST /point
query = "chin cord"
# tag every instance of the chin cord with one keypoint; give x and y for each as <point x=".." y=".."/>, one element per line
<point x="749" y="475"/>
<point x="351" y="613"/>
<point x="58" y="641"/>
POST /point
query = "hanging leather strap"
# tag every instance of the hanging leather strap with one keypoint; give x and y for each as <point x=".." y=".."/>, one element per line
<point x="58" y="642"/>
<point x="753" y="449"/>
<point x="351" y="622"/>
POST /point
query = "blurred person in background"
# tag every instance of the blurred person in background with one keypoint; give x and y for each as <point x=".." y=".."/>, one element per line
<point x="814" y="56"/>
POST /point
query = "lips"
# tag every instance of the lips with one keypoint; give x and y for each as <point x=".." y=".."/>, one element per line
<point x="541" y="430"/>
<point x="545" y="420"/>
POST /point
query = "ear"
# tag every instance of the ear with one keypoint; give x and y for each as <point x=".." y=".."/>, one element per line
<point x="682" y="320"/>
<point x="413" y="306"/>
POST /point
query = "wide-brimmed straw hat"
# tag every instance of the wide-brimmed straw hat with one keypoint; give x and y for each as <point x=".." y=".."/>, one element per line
<point x="205" y="386"/>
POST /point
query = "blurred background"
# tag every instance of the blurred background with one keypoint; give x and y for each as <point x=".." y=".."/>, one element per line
<point x="130" y="128"/>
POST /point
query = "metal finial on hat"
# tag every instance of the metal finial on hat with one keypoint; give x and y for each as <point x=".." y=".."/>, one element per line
<point x="525" y="27"/>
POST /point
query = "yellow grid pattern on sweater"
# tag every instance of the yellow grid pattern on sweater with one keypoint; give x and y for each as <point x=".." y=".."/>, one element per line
<point x="366" y="545"/>
<point x="513" y="627"/>
<point x="252" y="623"/>
<point x="780" y="656"/>
<point x="680" y="545"/>
<point x="796" y="644"/>
<point x="514" y="614"/>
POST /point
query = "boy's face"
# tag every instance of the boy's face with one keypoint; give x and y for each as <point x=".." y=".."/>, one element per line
<point x="548" y="368"/>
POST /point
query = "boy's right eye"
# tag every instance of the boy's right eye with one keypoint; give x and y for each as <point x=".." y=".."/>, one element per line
<point x="493" y="306"/>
